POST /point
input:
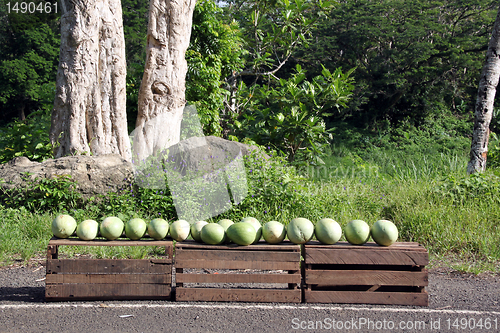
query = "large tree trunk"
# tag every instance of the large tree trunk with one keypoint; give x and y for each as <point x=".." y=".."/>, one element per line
<point x="89" y="113"/>
<point x="484" y="103"/>
<point x="162" y="92"/>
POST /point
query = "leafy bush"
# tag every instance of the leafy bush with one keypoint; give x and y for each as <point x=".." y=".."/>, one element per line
<point x="273" y="188"/>
<point x="28" y="138"/>
<point x="137" y="202"/>
<point x="215" y="51"/>
<point x="45" y="194"/>
<point x="470" y="187"/>
<point x="289" y="115"/>
<point x="439" y="136"/>
<point x="494" y="142"/>
<point x="493" y="152"/>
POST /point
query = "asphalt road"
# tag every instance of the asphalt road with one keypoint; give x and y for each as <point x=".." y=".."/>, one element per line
<point x="458" y="303"/>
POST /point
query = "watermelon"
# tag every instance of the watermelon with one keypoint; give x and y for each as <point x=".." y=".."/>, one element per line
<point x="213" y="234"/>
<point x="87" y="230"/>
<point x="225" y="223"/>
<point x="111" y="228"/>
<point x="196" y="229"/>
<point x="357" y="232"/>
<point x="384" y="232"/>
<point x="179" y="230"/>
<point x="256" y="224"/>
<point x="300" y="230"/>
<point x="135" y="228"/>
<point x="63" y="226"/>
<point x="328" y="231"/>
<point x="241" y="233"/>
<point x="158" y="229"/>
<point x="273" y="232"/>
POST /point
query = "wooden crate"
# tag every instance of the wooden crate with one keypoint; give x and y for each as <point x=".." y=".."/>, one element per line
<point x="367" y="274"/>
<point x="232" y="273"/>
<point x="108" y="279"/>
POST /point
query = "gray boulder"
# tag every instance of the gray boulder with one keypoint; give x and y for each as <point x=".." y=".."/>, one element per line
<point x="96" y="175"/>
<point x="92" y="174"/>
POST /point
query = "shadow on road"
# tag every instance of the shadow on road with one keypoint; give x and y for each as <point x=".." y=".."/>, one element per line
<point x="23" y="294"/>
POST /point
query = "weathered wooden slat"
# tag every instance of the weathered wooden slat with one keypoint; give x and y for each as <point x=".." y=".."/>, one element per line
<point x="237" y="264"/>
<point x="238" y="295"/>
<point x="107" y="291"/>
<point x="185" y="254"/>
<point x="105" y="242"/>
<point x="237" y="278"/>
<point x="52" y="252"/>
<point x="109" y="266"/>
<point x="413" y="246"/>
<point x="360" y="297"/>
<point x="260" y="246"/>
<point x="366" y="277"/>
<point x="109" y="278"/>
<point x="365" y="256"/>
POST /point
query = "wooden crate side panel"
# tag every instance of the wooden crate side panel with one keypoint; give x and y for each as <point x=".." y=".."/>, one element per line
<point x="411" y="246"/>
<point x="261" y="246"/>
<point x="105" y="242"/>
<point x="238" y="295"/>
<point x="237" y="264"/>
<point x="108" y="266"/>
<point x="366" y="277"/>
<point x="238" y="278"/>
<point x="354" y="256"/>
<point x="106" y="291"/>
<point x="362" y="297"/>
<point x="109" y="278"/>
<point x="275" y="256"/>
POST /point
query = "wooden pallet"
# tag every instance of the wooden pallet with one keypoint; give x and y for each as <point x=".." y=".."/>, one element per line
<point x="367" y="274"/>
<point x="108" y="279"/>
<point x="256" y="273"/>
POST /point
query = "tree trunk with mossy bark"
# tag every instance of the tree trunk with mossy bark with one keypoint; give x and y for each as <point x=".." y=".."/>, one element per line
<point x="484" y="104"/>
<point x="89" y="115"/>
<point x="162" y="91"/>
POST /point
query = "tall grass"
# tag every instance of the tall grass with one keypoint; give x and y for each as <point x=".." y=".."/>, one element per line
<point x="430" y="199"/>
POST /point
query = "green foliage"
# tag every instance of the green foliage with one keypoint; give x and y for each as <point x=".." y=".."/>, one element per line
<point x="45" y="194"/>
<point x="272" y="188"/>
<point x="29" y="138"/>
<point x="272" y="30"/>
<point x="462" y="228"/>
<point x="137" y="202"/>
<point x="135" y="25"/>
<point x="412" y="57"/>
<point x="289" y="115"/>
<point x="474" y="186"/>
<point x="214" y="53"/>
<point x="493" y="159"/>
<point x="443" y="134"/>
<point x="28" y="62"/>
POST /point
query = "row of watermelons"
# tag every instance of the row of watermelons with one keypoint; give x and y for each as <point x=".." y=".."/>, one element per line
<point x="246" y="232"/>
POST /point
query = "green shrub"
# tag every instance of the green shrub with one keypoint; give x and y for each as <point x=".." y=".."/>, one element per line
<point x="469" y="187"/>
<point x="28" y="138"/>
<point x="289" y="114"/>
<point x="493" y="159"/>
<point x="43" y="194"/>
